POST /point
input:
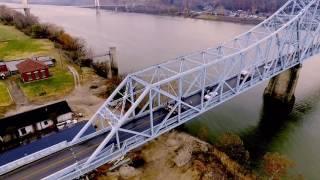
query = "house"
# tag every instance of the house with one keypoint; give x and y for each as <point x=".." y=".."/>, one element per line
<point x="30" y="125"/>
<point x="32" y="70"/>
<point x="3" y="70"/>
<point x="12" y="65"/>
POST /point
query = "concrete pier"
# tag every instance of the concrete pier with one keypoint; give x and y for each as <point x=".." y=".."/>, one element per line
<point x="113" y="67"/>
<point x="279" y="94"/>
<point x="26" y="11"/>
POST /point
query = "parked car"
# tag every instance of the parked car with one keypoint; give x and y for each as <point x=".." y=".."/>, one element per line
<point x="67" y="123"/>
<point x="3" y="76"/>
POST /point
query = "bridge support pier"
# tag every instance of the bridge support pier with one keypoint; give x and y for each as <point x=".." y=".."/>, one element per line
<point x="26" y="11"/>
<point x="113" y="64"/>
<point x="279" y="94"/>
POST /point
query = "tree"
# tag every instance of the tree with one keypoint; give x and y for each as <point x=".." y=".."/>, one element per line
<point x="276" y="165"/>
<point x="233" y="146"/>
<point x="40" y="31"/>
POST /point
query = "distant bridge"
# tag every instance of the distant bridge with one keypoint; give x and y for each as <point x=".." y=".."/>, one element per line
<point x="96" y="4"/>
<point x="157" y="99"/>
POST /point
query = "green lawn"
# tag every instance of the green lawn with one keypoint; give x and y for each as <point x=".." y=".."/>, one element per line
<point x="59" y="84"/>
<point x="5" y="99"/>
<point x="14" y="44"/>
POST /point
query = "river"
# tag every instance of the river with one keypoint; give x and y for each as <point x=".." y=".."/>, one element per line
<point x="144" y="40"/>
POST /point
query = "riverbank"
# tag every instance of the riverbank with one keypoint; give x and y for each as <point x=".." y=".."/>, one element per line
<point x="176" y="155"/>
<point x="176" y="13"/>
<point x="252" y="21"/>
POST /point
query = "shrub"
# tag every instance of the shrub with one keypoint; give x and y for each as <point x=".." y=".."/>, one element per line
<point x="276" y="165"/>
<point x="101" y="68"/>
<point x="40" y="31"/>
<point x="233" y="146"/>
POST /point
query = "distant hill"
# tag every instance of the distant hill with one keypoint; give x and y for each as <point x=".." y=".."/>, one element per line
<point x="248" y="5"/>
<point x="55" y="2"/>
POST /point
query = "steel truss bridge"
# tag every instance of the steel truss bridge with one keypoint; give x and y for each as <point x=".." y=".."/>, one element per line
<point x="97" y="4"/>
<point x="136" y="112"/>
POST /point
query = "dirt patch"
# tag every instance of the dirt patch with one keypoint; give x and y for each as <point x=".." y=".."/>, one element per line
<point x="81" y="100"/>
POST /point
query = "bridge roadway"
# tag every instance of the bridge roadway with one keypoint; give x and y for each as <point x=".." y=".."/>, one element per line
<point x="64" y="158"/>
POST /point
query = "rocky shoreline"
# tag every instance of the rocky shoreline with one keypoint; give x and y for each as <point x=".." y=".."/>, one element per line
<point x="175" y="155"/>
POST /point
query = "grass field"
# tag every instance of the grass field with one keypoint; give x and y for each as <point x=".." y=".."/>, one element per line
<point x="59" y="84"/>
<point x="14" y="44"/>
<point x="5" y="99"/>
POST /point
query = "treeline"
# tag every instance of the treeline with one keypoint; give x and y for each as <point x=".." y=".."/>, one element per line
<point x="73" y="47"/>
<point x="248" y="5"/>
<point x="180" y="5"/>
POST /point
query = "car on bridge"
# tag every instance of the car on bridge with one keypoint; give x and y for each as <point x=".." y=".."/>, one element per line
<point x="267" y="65"/>
<point x="169" y="107"/>
<point x="210" y="95"/>
<point x="245" y="75"/>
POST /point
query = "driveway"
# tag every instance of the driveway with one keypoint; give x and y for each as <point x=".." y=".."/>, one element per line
<point x="76" y="76"/>
<point x="19" y="98"/>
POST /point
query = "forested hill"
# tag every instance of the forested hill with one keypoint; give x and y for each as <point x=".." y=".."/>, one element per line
<point x="247" y="5"/>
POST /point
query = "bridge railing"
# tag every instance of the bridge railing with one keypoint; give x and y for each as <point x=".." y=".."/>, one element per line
<point x="32" y="157"/>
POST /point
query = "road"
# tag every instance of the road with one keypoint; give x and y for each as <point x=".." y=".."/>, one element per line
<point x="19" y="98"/>
<point x="76" y="76"/>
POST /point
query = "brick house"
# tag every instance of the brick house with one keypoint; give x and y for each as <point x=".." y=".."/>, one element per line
<point x="3" y="70"/>
<point x="32" y="70"/>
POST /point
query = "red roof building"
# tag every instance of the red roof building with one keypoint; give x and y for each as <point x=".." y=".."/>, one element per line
<point x="32" y="70"/>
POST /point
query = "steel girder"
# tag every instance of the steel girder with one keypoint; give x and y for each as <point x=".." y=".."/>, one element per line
<point x="284" y="40"/>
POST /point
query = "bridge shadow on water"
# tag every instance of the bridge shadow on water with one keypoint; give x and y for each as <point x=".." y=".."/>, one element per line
<point x="275" y="123"/>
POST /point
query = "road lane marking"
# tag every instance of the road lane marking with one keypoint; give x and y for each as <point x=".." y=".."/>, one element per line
<point x="38" y="171"/>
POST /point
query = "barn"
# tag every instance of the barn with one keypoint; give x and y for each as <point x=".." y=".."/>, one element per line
<point x="32" y="70"/>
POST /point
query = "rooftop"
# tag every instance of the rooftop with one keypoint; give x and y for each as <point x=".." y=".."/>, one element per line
<point x="49" y="111"/>
<point x="30" y="65"/>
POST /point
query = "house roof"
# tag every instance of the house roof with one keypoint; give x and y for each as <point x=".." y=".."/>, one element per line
<point x="49" y="111"/>
<point x="30" y="65"/>
<point x="12" y="65"/>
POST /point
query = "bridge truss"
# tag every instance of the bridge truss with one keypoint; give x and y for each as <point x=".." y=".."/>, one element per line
<point x="167" y="95"/>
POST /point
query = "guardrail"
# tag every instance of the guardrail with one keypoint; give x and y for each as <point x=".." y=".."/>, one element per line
<point x="32" y="157"/>
<point x="45" y="152"/>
